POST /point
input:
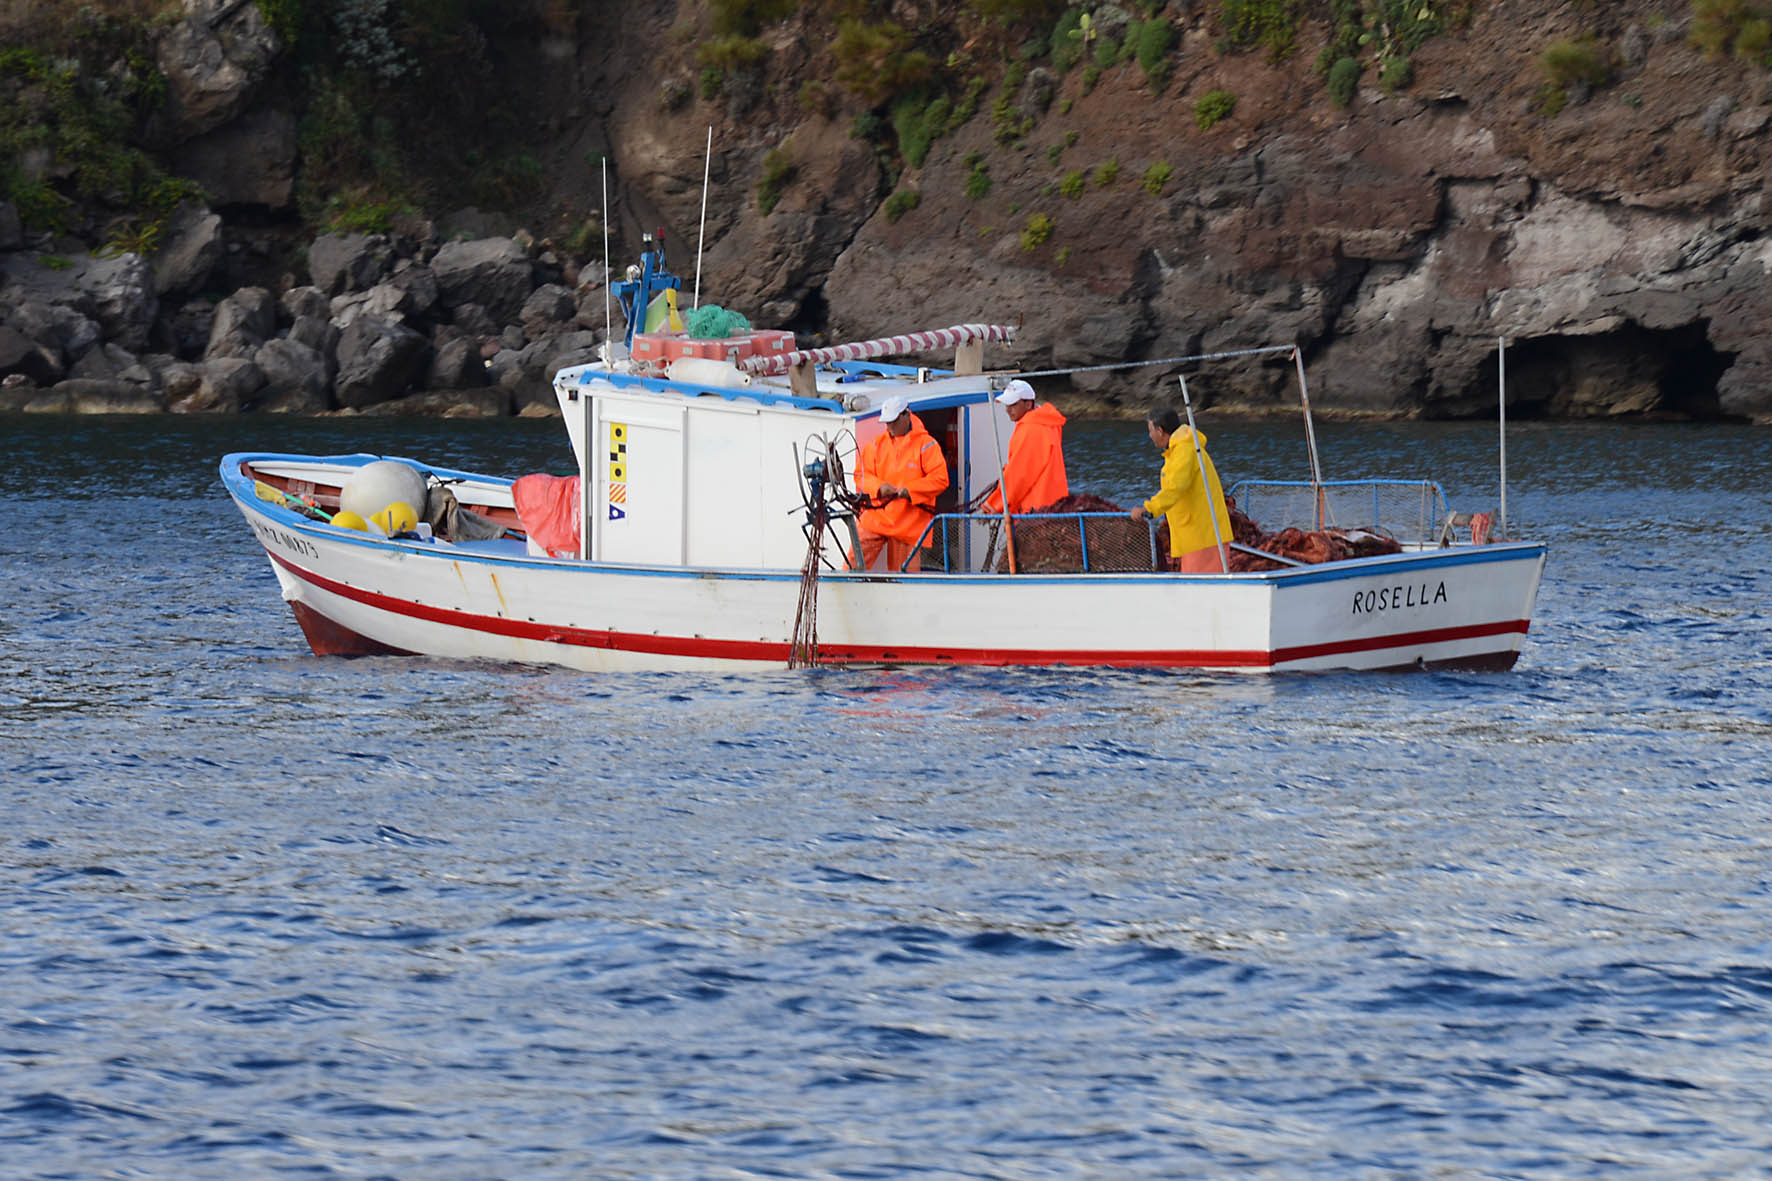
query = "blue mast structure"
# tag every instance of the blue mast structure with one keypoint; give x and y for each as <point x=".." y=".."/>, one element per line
<point x="643" y="283"/>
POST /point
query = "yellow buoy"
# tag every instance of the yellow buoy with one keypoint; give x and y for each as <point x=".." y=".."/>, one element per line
<point x="346" y="519"/>
<point x="398" y="517"/>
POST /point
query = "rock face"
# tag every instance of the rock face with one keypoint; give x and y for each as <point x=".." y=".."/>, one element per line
<point x="74" y="337"/>
<point x="1620" y="245"/>
<point x="1620" y="239"/>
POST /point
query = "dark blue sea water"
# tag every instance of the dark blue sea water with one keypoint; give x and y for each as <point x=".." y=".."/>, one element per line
<point x="269" y="914"/>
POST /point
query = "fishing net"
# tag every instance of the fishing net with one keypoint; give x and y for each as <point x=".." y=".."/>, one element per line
<point x="1066" y="538"/>
<point x="713" y="322"/>
<point x="1309" y="546"/>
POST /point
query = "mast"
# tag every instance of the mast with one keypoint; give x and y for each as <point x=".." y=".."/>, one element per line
<point x="1501" y="383"/>
<point x="1310" y="436"/>
<point x="702" y="234"/>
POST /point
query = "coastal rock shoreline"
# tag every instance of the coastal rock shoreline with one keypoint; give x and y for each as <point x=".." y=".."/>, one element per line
<point x="1620" y="244"/>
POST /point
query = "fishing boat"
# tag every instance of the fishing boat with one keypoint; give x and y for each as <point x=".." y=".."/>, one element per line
<point x="712" y="526"/>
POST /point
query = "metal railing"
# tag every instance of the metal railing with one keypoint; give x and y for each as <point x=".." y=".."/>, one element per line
<point x="1043" y="543"/>
<point x="1409" y="511"/>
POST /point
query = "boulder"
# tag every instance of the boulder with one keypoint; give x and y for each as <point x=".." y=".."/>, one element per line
<point x="243" y="322"/>
<point x="98" y="396"/>
<point x="548" y="308"/>
<point x="338" y="263"/>
<point x="214" y="60"/>
<point x="319" y="334"/>
<point x="108" y="362"/>
<point x="472" y="319"/>
<point x="21" y="356"/>
<point x="225" y="386"/>
<point x="456" y="365"/>
<point x="494" y="273"/>
<point x="306" y="301"/>
<point x="294" y="373"/>
<point x="377" y="360"/>
<point x="190" y="252"/>
<point x="529" y="372"/>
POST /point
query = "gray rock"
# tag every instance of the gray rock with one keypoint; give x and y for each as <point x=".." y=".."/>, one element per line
<point x="319" y="334"/>
<point x="1716" y="114"/>
<point x="107" y="362"/>
<point x="456" y="365"/>
<point x="306" y="301"/>
<point x="339" y="263"/>
<point x="226" y="384"/>
<point x="472" y="319"/>
<point x="117" y="294"/>
<point x="295" y="369"/>
<point x="419" y="294"/>
<point x="529" y="374"/>
<point x="92" y="396"/>
<point x="548" y="308"/>
<point x="494" y="273"/>
<point x="179" y="380"/>
<point x="11" y="232"/>
<point x="22" y="356"/>
<point x="214" y="61"/>
<point x="243" y="321"/>
<point x="377" y="360"/>
<point x="190" y="252"/>
<point x="61" y="329"/>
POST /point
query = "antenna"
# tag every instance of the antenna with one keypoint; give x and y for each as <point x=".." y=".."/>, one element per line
<point x="608" y="329"/>
<point x="1501" y="382"/>
<point x="701" y="236"/>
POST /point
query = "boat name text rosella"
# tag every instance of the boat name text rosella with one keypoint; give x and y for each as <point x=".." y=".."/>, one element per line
<point x="1371" y="602"/>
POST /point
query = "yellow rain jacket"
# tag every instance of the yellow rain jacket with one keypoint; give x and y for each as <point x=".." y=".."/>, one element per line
<point x="1184" y="502"/>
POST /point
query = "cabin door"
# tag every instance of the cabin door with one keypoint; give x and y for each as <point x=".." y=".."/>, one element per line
<point x="639" y="469"/>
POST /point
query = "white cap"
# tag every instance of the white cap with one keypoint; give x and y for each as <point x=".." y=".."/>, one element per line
<point x="1016" y="391"/>
<point x="892" y="407"/>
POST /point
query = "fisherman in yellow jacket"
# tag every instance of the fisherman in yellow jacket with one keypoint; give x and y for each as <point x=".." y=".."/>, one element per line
<point x="1191" y="508"/>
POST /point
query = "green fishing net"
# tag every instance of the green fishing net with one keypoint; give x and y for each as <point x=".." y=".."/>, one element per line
<point x="713" y="322"/>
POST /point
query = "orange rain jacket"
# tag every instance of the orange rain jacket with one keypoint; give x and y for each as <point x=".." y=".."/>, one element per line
<point x="1183" y="501"/>
<point x="1034" y="473"/>
<point x="913" y="462"/>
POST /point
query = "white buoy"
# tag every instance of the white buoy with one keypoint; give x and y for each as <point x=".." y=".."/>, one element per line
<point x="374" y="486"/>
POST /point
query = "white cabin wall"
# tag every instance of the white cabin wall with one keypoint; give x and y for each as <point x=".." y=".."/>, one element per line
<point x="638" y="469"/>
<point x="725" y="445"/>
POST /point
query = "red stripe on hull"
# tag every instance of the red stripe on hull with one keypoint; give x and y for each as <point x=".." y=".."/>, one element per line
<point x="697" y="647"/>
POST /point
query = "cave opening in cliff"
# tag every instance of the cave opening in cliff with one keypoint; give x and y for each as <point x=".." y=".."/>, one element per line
<point x="812" y="317"/>
<point x="1629" y="372"/>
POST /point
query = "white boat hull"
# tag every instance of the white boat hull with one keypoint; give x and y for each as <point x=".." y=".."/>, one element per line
<point x="354" y="593"/>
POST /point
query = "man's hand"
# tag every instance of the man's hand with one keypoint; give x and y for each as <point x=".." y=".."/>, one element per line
<point x="1137" y="514"/>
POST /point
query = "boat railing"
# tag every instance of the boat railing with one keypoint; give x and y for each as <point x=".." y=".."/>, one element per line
<point x="1409" y="511"/>
<point x="1052" y="543"/>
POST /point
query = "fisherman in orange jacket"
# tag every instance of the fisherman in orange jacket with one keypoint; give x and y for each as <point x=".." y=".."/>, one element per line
<point x="903" y="472"/>
<point x="1033" y="476"/>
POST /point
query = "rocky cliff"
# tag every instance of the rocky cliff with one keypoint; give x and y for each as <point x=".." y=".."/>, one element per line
<point x="1608" y="225"/>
